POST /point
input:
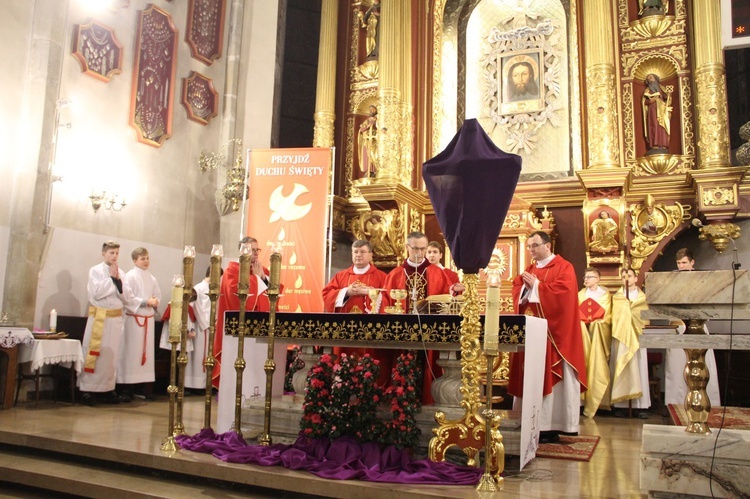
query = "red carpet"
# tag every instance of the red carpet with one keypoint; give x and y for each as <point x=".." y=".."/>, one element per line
<point x="737" y="418"/>
<point x="579" y="448"/>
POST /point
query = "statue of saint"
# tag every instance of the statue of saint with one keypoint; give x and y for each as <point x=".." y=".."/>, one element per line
<point x="368" y="143"/>
<point x="657" y="111"/>
<point x="603" y="234"/>
<point x="652" y="8"/>
<point x="370" y="20"/>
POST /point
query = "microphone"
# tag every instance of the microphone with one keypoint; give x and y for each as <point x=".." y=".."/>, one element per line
<point x="696" y="222"/>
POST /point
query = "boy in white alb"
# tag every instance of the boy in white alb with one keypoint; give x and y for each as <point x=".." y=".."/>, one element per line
<point x="195" y="372"/>
<point x="136" y="362"/>
<point x="108" y="294"/>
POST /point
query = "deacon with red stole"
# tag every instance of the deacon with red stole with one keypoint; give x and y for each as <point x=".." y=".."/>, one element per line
<point x="257" y="298"/>
<point x="548" y="290"/>
<point x="596" y="318"/>
<point x="348" y="290"/>
<point x="420" y="279"/>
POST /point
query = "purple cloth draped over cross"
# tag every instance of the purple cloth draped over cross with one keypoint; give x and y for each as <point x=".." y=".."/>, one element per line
<point x="471" y="185"/>
<point x="343" y="459"/>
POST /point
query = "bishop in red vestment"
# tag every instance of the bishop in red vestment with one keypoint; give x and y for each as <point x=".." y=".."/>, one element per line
<point x="257" y="298"/>
<point x="548" y="290"/>
<point x="420" y="279"/>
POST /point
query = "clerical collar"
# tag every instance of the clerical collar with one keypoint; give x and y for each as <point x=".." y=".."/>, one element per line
<point x="416" y="265"/>
<point x="359" y="271"/>
<point x="543" y="263"/>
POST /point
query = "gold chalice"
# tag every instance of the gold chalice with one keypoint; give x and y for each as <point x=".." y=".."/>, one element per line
<point x="374" y="294"/>
<point x="398" y="295"/>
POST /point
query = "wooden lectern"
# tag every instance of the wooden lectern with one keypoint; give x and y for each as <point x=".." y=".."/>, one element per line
<point x="695" y="297"/>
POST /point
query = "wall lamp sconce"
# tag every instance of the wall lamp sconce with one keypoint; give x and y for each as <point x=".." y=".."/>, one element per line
<point x="235" y="189"/>
<point x="114" y="202"/>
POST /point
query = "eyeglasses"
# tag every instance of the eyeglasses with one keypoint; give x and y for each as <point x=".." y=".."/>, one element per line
<point x="256" y="250"/>
<point x="534" y="246"/>
<point x="590" y="277"/>
<point x="419" y="250"/>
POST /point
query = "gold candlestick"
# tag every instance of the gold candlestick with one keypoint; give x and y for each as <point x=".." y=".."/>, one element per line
<point x="270" y="365"/>
<point x="214" y="284"/>
<point x="175" y="327"/>
<point x="188" y="263"/>
<point x="239" y="363"/>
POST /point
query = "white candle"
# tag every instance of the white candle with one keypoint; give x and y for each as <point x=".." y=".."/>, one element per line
<point x="175" y="316"/>
<point x="53" y="320"/>
<point x="492" y="318"/>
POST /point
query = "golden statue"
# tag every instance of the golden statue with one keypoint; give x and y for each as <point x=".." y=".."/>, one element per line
<point x="370" y="20"/>
<point x="368" y="143"/>
<point x="603" y="234"/>
<point x="652" y="8"/>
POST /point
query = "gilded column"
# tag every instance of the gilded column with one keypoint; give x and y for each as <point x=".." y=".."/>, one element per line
<point x="325" y="94"/>
<point x="395" y="112"/>
<point x="601" y="94"/>
<point x="710" y="85"/>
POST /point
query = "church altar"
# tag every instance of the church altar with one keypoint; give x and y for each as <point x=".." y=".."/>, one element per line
<point x="406" y="331"/>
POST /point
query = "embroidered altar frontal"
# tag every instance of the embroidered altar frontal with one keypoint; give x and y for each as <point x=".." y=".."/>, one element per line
<point x="436" y="332"/>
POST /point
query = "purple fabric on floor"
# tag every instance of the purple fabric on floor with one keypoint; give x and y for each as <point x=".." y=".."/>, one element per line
<point x="343" y="459"/>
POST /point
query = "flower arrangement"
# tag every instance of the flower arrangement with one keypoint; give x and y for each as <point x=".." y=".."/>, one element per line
<point x="317" y="403"/>
<point x="405" y="402"/>
<point x="343" y="399"/>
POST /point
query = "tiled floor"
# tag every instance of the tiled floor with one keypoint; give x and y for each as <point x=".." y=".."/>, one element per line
<point x="134" y="432"/>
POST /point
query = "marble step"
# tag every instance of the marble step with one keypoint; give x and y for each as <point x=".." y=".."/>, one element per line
<point x="60" y="474"/>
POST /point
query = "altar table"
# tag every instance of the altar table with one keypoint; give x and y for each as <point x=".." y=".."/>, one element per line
<point x="63" y="352"/>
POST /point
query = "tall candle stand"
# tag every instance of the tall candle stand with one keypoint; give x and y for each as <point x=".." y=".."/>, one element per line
<point x="488" y="483"/>
<point x="214" y="284"/>
<point x="175" y="329"/>
<point x="270" y="365"/>
<point x="239" y="363"/>
<point x="188" y="264"/>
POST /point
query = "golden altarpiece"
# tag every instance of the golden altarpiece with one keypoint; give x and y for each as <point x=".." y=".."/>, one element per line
<point x="617" y="107"/>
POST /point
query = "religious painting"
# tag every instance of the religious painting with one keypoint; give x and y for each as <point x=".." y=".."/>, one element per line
<point x="205" y="29"/>
<point x="521" y="81"/>
<point x="200" y="98"/>
<point x="97" y="50"/>
<point x="154" y="68"/>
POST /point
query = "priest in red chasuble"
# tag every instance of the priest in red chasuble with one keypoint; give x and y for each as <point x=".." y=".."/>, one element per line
<point x="420" y="279"/>
<point x="548" y="290"/>
<point x="596" y="318"/>
<point x="348" y="290"/>
<point x="257" y="297"/>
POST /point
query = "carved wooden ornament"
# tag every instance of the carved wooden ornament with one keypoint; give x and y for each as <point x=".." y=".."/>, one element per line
<point x="205" y="29"/>
<point x="154" y="68"/>
<point x="199" y="98"/>
<point x="97" y="49"/>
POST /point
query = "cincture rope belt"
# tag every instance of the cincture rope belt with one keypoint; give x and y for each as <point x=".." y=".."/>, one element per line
<point x="97" y="331"/>
<point x="144" y="326"/>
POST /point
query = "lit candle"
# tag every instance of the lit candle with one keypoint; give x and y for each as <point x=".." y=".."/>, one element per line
<point x="189" y="252"/>
<point x="175" y="316"/>
<point x="53" y="320"/>
<point x="492" y="315"/>
<point x="275" y="277"/>
<point x="245" y="251"/>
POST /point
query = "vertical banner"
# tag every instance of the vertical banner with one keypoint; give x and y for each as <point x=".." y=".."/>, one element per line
<point x="288" y="206"/>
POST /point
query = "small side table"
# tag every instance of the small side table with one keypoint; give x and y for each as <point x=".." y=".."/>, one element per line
<point x="63" y="352"/>
<point x="11" y="337"/>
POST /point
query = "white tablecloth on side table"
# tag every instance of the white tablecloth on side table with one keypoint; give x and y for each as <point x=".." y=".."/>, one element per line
<point x="66" y="353"/>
